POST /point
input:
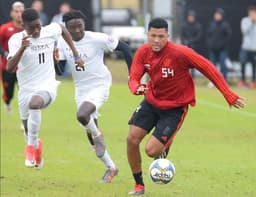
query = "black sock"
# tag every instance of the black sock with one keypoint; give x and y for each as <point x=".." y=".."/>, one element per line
<point x="138" y="178"/>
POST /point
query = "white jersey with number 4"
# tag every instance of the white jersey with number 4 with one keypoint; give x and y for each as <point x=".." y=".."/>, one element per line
<point x="36" y="67"/>
<point x="91" y="49"/>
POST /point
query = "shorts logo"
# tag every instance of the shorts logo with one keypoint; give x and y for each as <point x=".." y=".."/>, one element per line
<point x="164" y="138"/>
<point x="138" y="108"/>
<point x="167" y="131"/>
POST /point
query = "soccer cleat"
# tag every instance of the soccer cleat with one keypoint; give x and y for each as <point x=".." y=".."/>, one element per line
<point x="99" y="145"/>
<point x="138" y="190"/>
<point x="30" y="156"/>
<point x="38" y="156"/>
<point x="109" y="175"/>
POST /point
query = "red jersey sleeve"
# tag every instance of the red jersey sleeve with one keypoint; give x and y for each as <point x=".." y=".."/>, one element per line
<point x="3" y="60"/>
<point x="137" y="69"/>
<point x="1" y="35"/>
<point x="3" y="38"/>
<point x="210" y="71"/>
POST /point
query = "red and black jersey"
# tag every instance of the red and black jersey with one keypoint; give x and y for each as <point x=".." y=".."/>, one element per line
<point x="6" y="31"/>
<point x="171" y="84"/>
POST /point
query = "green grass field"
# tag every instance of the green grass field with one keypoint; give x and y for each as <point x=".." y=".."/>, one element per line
<point x="214" y="152"/>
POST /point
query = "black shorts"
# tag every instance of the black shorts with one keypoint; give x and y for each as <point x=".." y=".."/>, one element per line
<point x="166" y="122"/>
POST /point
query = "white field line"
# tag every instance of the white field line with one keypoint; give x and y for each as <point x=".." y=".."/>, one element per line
<point x="226" y="108"/>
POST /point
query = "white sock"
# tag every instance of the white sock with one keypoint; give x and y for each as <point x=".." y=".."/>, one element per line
<point x="107" y="160"/>
<point x="34" y="123"/>
<point x="91" y="126"/>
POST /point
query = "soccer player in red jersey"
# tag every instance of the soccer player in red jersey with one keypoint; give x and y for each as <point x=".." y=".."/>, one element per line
<point x="168" y="94"/>
<point x="6" y="31"/>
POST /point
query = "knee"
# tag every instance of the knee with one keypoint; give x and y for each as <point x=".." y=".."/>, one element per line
<point x="35" y="104"/>
<point x="153" y="150"/>
<point x="132" y="141"/>
<point x="83" y="118"/>
<point x="150" y="151"/>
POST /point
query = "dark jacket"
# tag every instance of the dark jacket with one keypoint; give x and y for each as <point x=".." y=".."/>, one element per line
<point x="191" y="34"/>
<point x="218" y="35"/>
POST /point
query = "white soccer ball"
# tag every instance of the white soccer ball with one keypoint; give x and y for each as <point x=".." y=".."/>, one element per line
<point x="161" y="171"/>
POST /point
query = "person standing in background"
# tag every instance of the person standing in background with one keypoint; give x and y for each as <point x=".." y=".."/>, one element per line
<point x="248" y="48"/>
<point x="63" y="9"/>
<point x="191" y="32"/>
<point x="38" y="5"/>
<point x="218" y="36"/>
<point x="6" y="31"/>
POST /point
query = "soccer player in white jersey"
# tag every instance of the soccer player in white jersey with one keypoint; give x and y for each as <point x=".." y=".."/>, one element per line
<point x="93" y="81"/>
<point x="31" y="52"/>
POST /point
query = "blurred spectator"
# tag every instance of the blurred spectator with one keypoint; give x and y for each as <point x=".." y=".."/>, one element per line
<point x="38" y="5"/>
<point x="191" y="32"/>
<point x="218" y="36"/>
<point x="6" y="31"/>
<point x="248" y="48"/>
<point x="63" y="9"/>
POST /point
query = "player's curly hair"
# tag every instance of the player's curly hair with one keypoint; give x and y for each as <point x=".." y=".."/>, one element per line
<point x="73" y="14"/>
<point x="29" y="15"/>
<point x="158" y="23"/>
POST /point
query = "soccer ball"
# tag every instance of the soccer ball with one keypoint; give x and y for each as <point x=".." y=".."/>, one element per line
<point x="161" y="171"/>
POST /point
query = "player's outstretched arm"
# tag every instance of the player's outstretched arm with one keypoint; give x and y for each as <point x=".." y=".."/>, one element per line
<point x="125" y="49"/>
<point x="12" y="62"/>
<point x="67" y="37"/>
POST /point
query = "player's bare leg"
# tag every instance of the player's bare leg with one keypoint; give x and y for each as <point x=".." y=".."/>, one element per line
<point x="154" y="147"/>
<point x="96" y="139"/>
<point x="134" y="139"/>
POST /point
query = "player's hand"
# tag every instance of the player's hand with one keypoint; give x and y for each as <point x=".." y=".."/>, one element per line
<point x="239" y="103"/>
<point x="56" y="55"/>
<point x="79" y="62"/>
<point x="141" y="89"/>
<point x="25" y="42"/>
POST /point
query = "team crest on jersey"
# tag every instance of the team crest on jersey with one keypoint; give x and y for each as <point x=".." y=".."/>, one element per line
<point x="167" y="62"/>
<point x="10" y="29"/>
<point x="147" y="66"/>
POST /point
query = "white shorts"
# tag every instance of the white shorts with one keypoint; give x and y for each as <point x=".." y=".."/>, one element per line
<point x="24" y="97"/>
<point x="97" y="96"/>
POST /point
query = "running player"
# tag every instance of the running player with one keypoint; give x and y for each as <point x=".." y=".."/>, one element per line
<point x="6" y="31"/>
<point x="92" y="83"/>
<point x="31" y="53"/>
<point x="167" y="94"/>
